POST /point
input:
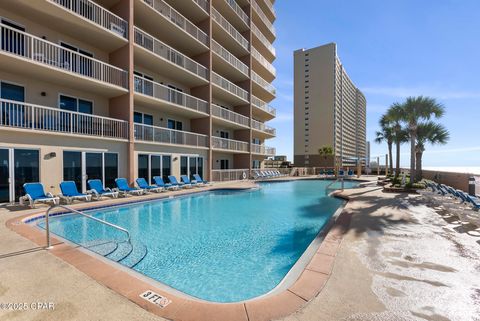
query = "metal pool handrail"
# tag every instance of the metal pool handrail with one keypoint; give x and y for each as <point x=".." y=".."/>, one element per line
<point x="47" y="226"/>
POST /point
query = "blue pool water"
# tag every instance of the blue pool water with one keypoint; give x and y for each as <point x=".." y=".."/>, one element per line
<point x="222" y="246"/>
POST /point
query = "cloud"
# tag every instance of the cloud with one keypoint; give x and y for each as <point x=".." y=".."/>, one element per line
<point x="402" y="92"/>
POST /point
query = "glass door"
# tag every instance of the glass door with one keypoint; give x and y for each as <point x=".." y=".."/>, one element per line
<point x="111" y="169"/>
<point x="72" y="168"/>
<point x="4" y="176"/>
<point x="93" y="167"/>
<point x="26" y="169"/>
<point x="192" y="166"/>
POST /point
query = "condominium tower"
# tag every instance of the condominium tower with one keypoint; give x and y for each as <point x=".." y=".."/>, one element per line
<point x="133" y="88"/>
<point x="328" y="110"/>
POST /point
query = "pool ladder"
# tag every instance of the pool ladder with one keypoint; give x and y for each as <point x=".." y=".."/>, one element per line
<point x="123" y="252"/>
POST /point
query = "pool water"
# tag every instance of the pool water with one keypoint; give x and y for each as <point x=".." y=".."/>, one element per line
<point x="222" y="246"/>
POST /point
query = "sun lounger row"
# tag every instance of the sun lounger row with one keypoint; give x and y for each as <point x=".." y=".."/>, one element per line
<point x="457" y="202"/>
<point x="35" y="192"/>
<point x="331" y="173"/>
<point x="267" y="174"/>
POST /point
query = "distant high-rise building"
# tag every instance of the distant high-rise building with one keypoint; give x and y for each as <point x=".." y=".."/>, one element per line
<point x="328" y="109"/>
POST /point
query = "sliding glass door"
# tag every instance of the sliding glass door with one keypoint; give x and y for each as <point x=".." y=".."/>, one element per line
<point x="26" y="169"/>
<point x="4" y="176"/>
<point x="72" y="168"/>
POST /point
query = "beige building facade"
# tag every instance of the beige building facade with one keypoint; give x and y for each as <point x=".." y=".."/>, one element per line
<point x="329" y="110"/>
<point x="133" y="88"/>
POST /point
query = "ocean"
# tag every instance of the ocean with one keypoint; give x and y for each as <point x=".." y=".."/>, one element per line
<point x="456" y="169"/>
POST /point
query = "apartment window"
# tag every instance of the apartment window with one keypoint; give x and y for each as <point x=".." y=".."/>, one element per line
<point x="145" y="85"/>
<point x="141" y="118"/>
<point x="307" y="70"/>
<point x="151" y="165"/>
<point x="83" y="66"/>
<point x="175" y="95"/>
<point x="256" y="141"/>
<point x="224" y="134"/>
<point x="224" y="164"/>
<point x="174" y="124"/>
<point x="75" y="104"/>
<point x="256" y="163"/>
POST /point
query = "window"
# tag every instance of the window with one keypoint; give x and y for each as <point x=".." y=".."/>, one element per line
<point x="166" y="167"/>
<point x="12" y="41"/>
<point x="151" y="165"/>
<point x="141" y="118"/>
<point x="77" y="64"/>
<point x="145" y="85"/>
<point x="184" y="165"/>
<point x="256" y="141"/>
<point x="75" y="104"/>
<point x="256" y="163"/>
<point x="174" y="124"/>
<point x="224" y="134"/>
<point x="224" y="164"/>
<point x="143" y="165"/>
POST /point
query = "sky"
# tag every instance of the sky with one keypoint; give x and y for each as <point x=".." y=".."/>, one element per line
<point x="391" y="49"/>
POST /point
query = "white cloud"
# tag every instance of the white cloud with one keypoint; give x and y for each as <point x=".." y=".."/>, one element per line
<point x="403" y="92"/>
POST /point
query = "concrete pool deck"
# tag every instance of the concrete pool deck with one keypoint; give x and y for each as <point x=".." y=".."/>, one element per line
<point x="395" y="251"/>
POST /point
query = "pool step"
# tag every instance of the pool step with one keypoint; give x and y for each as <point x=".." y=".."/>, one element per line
<point x="136" y="256"/>
<point x="123" y="250"/>
<point x="102" y="247"/>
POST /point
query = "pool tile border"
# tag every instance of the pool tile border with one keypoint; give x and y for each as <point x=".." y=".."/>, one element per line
<point x="307" y="286"/>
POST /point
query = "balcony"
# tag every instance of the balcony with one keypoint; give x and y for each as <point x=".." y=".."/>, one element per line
<point x="169" y="25"/>
<point x="229" y="145"/>
<point x="166" y="136"/>
<point x="263" y="45"/>
<point x="263" y="150"/>
<point x="262" y="110"/>
<point x="228" y="64"/>
<point x="264" y="130"/>
<point x="222" y="175"/>
<point x="235" y="120"/>
<point x="156" y="95"/>
<point x="80" y="19"/>
<point x="30" y="55"/>
<point x="16" y="115"/>
<point x="163" y="59"/>
<point x="263" y="66"/>
<point x="228" y="91"/>
<point x="262" y="88"/>
<point x="233" y="13"/>
<point x="267" y="27"/>
<point x="268" y="9"/>
<point x="231" y="37"/>
<point x="194" y="10"/>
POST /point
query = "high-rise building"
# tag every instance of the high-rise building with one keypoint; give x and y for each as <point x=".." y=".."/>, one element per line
<point x="328" y="110"/>
<point x="133" y="88"/>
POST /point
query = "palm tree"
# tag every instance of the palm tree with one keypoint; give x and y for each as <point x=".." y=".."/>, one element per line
<point x="400" y="135"/>
<point x="386" y="134"/>
<point x="414" y="110"/>
<point x="428" y="133"/>
<point x="326" y="151"/>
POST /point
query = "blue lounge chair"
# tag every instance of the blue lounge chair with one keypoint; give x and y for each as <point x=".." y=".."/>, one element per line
<point x="341" y="173"/>
<point x="142" y="183"/>
<point x="70" y="192"/>
<point x="160" y="183"/>
<point x="97" y="190"/>
<point x="350" y="172"/>
<point x="174" y="182"/>
<point x="185" y="179"/>
<point x="34" y="192"/>
<point x="123" y="188"/>
<point x="199" y="179"/>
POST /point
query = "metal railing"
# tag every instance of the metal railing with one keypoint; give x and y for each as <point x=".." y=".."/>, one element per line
<point x="202" y="4"/>
<point x="263" y="150"/>
<point x="229" y="86"/>
<point x="264" y="128"/>
<point x="218" y="111"/>
<point x="270" y="6"/>
<point x="28" y="116"/>
<point x="162" y="92"/>
<point x="220" y="175"/>
<point x="239" y="11"/>
<point x="257" y="102"/>
<point x="231" y="30"/>
<point x="47" y="222"/>
<point x="96" y="14"/>
<point x="30" y="47"/>
<point x="164" y="51"/>
<point x="263" y="17"/>
<point x="229" y="144"/>
<point x="147" y="133"/>
<point x="178" y="19"/>
<point x="263" y="83"/>
<point x="264" y="62"/>
<point x="263" y="39"/>
<point x="229" y="57"/>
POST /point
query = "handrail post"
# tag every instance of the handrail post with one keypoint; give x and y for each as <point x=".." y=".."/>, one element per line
<point x="47" y="228"/>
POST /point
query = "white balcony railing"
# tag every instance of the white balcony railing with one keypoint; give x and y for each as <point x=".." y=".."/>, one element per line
<point x="229" y="86"/>
<point x="239" y="11"/>
<point x="263" y="39"/>
<point x="220" y="112"/>
<point x="264" y="128"/>
<point x="263" y="150"/>
<point x="30" y="47"/>
<point x="270" y="6"/>
<point x="162" y="50"/>
<point x="179" y="20"/>
<point x="22" y="115"/>
<point x="264" y="62"/>
<point x="263" y="17"/>
<point x="229" y="144"/>
<point x="263" y="83"/>
<point x="202" y="4"/>
<point x="96" y="14"/>
<point x="229" y="57"/>
<point x="218" y="18"/>
<point x="150" y="88"/>
<point x="161" y="135"/>
<point x="263" y="106"/>
<point x="220" y="175"/>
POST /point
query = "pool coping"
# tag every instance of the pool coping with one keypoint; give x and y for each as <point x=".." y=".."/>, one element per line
<point x="272" y="305"/>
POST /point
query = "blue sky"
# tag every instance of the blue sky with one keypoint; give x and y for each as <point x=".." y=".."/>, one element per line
<point x="391" y="50"/>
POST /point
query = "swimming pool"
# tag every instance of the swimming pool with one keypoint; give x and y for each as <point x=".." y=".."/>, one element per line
<point x="222" y="246"/>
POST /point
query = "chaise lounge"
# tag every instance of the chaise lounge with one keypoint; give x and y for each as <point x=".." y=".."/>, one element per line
<point x="124" y="189"/>
<point x="142" y="183"/>
<point x="34" y="192"/>
<point x="97" y="190"/>
<point x="70" y="193"/>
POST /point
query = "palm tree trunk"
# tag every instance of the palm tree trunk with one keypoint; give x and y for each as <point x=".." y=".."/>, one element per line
<point x="413" y="138"/>
<point x="418" y="169"/>
<point x="390" y="145"/>
<point x="397" y="167"/>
